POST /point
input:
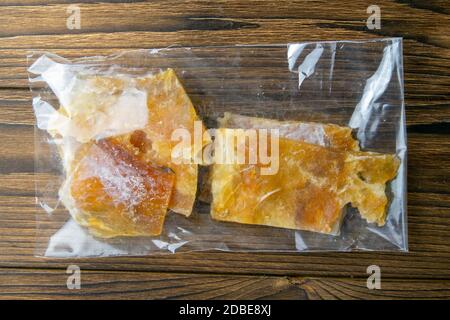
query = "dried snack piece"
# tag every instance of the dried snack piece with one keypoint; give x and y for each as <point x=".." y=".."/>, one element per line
<point x="148" y="108"/>
<point x="327" y="135"/>
<point x="113" y="193"/>
<point x="171" y="109"/>
<point x="185" y="187"/>
<point x="308" y="192"/>
<point x="93" y="107"/>
<point x="370" y="172"/>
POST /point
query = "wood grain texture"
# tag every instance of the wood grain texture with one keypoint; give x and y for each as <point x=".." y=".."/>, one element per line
<point x="52" y="285"/>
<point x="109" y="26"/>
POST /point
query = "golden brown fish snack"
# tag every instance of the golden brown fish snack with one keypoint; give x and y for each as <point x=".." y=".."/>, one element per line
<point x="170" y="109"/>
<point x="185" y="187"/>
<point x="113" y="193"/>
<point x="308" y="192"/>
<point x="158" y="106"/>
<point x="327" y="135"/>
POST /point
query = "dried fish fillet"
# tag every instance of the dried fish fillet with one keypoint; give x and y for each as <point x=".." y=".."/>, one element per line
<point x="308" y="192"/>
<point x="140" y="113"/>
<point x="185" y="187"/>
<point x="327" y="135"/>
<point x="170" y="109"/>
<point x="113" y="193"/>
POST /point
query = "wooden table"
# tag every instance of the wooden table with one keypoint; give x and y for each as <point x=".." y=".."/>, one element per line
<point x="118" y="24"/>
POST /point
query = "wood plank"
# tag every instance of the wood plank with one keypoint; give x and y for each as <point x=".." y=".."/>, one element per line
<point x="252" y="8"/>
<point x="200" y="18"/>
<point x="438" y="6"/>
<point x="51" y="284"/>
<point x="428" y="232"/>
<point x="159" y="24"/>
<point x="426" y="67"/>
<point x="421" y="115"/>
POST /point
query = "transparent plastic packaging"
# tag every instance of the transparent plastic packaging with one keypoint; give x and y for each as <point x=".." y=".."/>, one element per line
<point x="106" y="184"/>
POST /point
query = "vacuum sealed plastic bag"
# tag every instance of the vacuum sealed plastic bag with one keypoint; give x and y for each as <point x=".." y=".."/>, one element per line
<point x="242" y="148"/>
